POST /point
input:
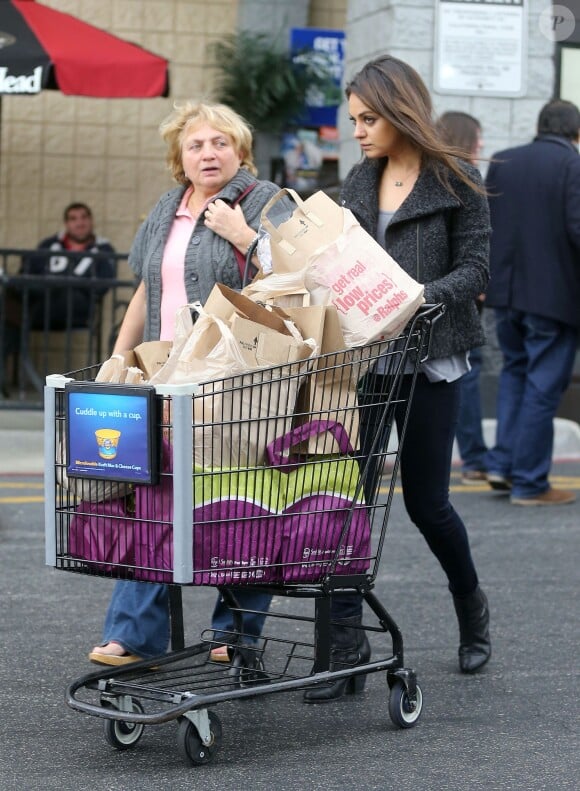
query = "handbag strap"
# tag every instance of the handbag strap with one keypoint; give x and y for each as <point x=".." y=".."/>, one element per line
<point x="243" y="260"/>
<point x="275" y="451"/>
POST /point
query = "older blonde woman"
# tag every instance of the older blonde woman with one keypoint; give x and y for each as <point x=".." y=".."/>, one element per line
<point x="191" y="240"/>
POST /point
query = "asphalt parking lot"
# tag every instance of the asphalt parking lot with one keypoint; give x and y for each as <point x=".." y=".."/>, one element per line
<point x="513" y="726"/>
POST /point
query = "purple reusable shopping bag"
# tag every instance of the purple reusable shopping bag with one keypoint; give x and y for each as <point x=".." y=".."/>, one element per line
<point x="321" y="495"/>
<point x="102" y="534"/>
<point x="235" y="535"/>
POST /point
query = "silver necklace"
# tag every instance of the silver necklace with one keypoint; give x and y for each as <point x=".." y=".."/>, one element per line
<point x="399" y="183"/>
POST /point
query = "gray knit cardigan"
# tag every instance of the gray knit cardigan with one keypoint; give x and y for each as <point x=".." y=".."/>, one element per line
<point x="439" y="239"/>
<point x="209" y="258"/>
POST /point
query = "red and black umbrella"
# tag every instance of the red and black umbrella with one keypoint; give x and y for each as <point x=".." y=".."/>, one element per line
<point x="43" y="48"/>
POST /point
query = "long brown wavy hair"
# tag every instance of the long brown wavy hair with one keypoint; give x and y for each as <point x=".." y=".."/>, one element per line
<point x="395" y="91"/>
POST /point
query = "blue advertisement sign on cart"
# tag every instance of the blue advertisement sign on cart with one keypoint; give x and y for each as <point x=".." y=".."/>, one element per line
<point x="111" y="432"/>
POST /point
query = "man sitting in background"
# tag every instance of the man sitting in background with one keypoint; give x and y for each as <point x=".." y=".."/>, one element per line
<point x="77" y="237"/>
<point x="57" y="308"/>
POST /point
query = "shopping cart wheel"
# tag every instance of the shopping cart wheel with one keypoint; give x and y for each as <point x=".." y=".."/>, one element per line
<point x="120" y="734"/>
<point x="189" y="742"/>
<point x="402" y="713"/>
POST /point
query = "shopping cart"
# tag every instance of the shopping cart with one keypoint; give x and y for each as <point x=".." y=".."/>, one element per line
<point x="289" y="473"/>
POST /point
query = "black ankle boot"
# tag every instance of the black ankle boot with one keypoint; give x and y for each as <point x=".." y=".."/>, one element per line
<point x="349" y="647"/>
<point x="474" y="643"/>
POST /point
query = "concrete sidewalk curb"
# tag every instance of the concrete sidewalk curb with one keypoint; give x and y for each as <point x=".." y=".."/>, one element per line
<point x="566" y="438"/>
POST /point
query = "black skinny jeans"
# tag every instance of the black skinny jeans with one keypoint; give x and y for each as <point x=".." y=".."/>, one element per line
<point x="425" y="473"/>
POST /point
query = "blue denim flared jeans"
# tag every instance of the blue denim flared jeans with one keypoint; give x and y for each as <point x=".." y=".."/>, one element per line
<point x="138" y="616"/>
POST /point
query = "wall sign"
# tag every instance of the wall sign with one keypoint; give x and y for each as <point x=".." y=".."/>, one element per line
<point x="326" y="49"/>
<point x="568" y="77"/>
<point x="481" y="47"/>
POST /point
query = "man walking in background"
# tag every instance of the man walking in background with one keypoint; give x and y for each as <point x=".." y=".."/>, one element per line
<point x="534" y="195"/>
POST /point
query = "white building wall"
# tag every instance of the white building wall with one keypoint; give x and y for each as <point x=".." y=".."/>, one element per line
<point x="406" y="29"/>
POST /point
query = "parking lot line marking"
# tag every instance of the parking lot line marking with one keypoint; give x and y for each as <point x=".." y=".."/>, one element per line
<point x="560" y="481"/>
<point x="20" y="485"/>
<point x="16" y="500"/>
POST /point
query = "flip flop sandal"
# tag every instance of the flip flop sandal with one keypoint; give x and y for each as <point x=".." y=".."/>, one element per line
<point x="113" y="659"/>
<point x="219" y="654"/>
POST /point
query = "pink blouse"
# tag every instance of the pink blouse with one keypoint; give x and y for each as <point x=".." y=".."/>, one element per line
<point x="173" y="294"/>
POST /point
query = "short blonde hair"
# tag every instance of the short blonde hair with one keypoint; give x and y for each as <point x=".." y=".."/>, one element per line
<point x="219" y="116"/>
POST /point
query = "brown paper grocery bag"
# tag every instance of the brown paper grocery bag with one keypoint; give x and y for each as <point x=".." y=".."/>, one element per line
<point x="342" y="265"/>
<point x="124" y="367"/>
<point x="235" y="414"/>
<point x="331" y="387"/>
<point x="265" y="336"/>
<point x="262" y="346"/>
<point x="151" y="356"/>
<point x="224" y="303"/>
<point x="298" y="229"/>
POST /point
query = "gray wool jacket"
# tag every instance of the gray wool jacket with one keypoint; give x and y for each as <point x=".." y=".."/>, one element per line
<point x="209" y="258"/>
<point x="440" y="240"/>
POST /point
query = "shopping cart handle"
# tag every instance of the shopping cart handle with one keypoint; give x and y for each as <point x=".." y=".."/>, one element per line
<point x="431" y="310"/>
<point x="428" y="314"/>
